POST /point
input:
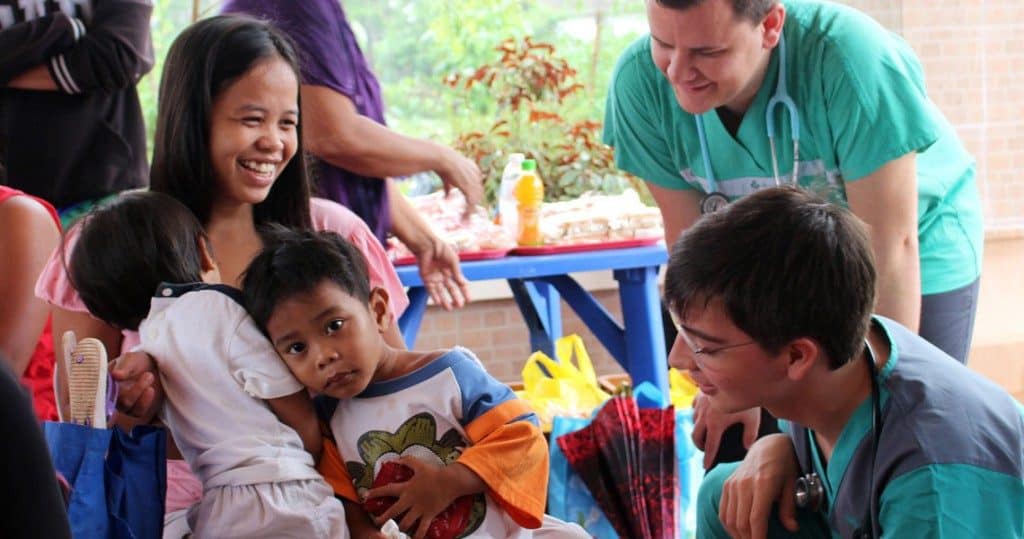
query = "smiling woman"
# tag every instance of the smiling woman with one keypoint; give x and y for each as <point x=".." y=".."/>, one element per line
<point x="255" y="122"/>
<point x="226" y="141"/>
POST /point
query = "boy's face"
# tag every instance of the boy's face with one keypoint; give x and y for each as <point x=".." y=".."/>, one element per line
<point x="732" y="370"/>
<point x="330" y="340"/>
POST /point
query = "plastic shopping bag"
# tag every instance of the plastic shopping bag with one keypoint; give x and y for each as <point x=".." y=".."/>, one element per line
<point x="690" y="462"/>
<point x="560" y="387"/>
<point x="118" y="481"/>
<point x="568" y="498"/>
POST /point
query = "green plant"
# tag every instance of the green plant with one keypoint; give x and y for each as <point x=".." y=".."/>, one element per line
<point x="533" y="92"/>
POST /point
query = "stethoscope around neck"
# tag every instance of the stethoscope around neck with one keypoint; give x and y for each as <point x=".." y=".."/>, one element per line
<point x="810" y="490"/>
<point x="715" y="200"/>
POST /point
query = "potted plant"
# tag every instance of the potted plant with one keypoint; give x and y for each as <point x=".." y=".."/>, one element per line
<point x="533" y="92"/>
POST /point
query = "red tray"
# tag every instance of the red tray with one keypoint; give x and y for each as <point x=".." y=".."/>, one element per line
<point x="468" y="256"/>
<point x="579" y="247"/>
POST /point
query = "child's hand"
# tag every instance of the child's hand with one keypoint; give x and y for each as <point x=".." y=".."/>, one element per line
<point x="426" y="494"/>
<point x="139" y="394"/>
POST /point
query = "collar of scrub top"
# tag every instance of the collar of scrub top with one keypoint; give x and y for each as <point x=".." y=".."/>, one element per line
<point x="780" y="97"/>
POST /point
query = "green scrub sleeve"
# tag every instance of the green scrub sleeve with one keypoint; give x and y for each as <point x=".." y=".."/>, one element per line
<point x="875" y="101"/>
<point x="632" y="122"/>
<point x="946" y="501"/>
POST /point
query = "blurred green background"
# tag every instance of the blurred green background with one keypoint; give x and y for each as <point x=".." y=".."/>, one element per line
<point x="413" y="44"/>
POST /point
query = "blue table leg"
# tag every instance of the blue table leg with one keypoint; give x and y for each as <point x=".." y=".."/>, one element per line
<point x="409" y="322"/>
<point x="594" y="315"/>
<point x="641" y="314"/>
<point x="540" y="306"/>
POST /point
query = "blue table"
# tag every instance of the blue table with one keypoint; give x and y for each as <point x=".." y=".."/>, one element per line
<point x="538" y="284"/>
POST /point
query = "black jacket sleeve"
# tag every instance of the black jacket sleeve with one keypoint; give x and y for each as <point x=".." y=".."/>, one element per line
<point x="31" y="504"/>
<point x="28" y="44"/>
<point x="115" y="53"/>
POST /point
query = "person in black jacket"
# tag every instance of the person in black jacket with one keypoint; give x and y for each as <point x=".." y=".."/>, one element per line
<point x="71" y="127"/>
<point x="31" y="504"/>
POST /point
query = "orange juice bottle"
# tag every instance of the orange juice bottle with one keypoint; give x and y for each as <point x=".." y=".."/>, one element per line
<point x="529" y="193"/>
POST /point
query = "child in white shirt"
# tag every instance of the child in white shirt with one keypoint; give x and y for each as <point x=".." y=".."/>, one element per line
<point x="227" y="392"/>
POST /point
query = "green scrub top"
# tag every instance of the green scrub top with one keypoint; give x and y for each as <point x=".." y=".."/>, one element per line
<point x="862" y="102"/>
<point x="950" y="459"/>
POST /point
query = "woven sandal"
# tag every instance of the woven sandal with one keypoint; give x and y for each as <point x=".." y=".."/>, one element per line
<point x="87" y="383"/>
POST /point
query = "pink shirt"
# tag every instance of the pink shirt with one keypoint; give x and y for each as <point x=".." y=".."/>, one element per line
<point x="53" y="286"/>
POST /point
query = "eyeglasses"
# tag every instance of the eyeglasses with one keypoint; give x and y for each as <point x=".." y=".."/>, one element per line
<point x="699" y="351"/>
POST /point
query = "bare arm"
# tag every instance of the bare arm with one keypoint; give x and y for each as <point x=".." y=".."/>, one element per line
<point x="680" y="209"/>
<point x="335" y="131"/>
<point x="296" y="411"/>
<point x="438" y="261"/>
<point x="27" y="236"/>
<point x="886" y="200"/>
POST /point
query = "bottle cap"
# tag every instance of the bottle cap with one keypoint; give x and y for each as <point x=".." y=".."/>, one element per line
<point x="529" y="164"/>
<point x="516" y="157"/>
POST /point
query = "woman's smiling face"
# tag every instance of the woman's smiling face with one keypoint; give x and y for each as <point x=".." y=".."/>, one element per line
<point x="254" y="126"/>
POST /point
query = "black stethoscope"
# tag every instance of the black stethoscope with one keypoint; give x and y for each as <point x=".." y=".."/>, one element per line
<point x="810" y="491"/>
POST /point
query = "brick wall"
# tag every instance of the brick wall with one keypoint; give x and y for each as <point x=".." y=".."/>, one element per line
<point x="495" y="331"/>
<point x="971" y="51"/>
<point x="887" y="12"/>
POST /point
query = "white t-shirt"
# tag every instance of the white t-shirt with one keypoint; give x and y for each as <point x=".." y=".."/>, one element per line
<point x="217" y="368"/>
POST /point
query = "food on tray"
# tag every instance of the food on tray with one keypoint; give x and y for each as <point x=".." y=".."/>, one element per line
<point x="595" y="218"/>
<point x="592" y="218"/>
<point x="445" y="215"/>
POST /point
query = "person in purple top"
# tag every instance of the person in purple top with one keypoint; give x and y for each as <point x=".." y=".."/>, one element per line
<point x="355" y="154"/>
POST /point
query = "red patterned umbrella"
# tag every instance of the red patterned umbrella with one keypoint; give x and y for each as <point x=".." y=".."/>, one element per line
<point x="626" y="458"/>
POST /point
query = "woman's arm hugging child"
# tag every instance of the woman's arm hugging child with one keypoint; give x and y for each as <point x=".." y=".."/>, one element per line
<point x="427" y="438"/>
<point x="144" y="263"/>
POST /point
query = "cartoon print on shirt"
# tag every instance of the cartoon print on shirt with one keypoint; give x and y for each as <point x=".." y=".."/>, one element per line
<point x="417" y="438"/>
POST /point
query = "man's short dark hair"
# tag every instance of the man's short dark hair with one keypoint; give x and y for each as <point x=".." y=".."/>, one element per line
<point x="752" y="10"/>
<point x="784" y="264"/>
<point x="295" y="262"/>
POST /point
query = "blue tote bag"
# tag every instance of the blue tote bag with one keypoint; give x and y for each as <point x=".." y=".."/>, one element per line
<point x="568" y="497"/>
<point x="118" y="480"/>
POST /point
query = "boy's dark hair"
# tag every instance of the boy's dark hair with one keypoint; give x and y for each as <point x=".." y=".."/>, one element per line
<point x="127" y="248"/>
<point x="785" y="264"/>
<point x="295" y="262"/>
<point x="751" y="10"/>
<point x="203" y="61"/>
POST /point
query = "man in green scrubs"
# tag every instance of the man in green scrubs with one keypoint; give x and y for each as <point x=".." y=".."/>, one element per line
<point x="903" y="441"/>
<point x="869" y="139"/>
